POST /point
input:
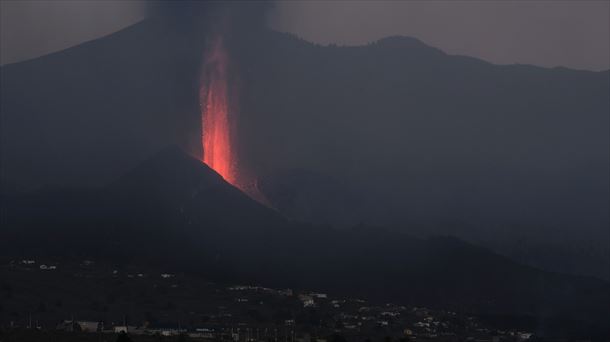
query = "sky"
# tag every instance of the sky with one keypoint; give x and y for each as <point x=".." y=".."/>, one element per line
<point x="572" y="33"/>
<point x="31" y="28"/>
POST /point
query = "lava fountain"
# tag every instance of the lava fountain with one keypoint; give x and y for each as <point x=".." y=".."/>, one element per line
<point x="217" y="124"/>
<point x="217" y="100"/>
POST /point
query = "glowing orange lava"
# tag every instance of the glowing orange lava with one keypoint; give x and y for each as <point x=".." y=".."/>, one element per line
<point x="216" y="121"/>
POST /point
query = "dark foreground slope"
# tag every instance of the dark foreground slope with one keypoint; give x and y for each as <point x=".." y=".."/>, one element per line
<point x="173" y="211"/>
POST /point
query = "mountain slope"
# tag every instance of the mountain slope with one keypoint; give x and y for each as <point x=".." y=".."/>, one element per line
<point x="513" y="157"/>
<point x="85" y="115"/>
<point x="173" y="211"/>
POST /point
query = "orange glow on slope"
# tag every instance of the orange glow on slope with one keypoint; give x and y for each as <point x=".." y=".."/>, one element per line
<point x="216" y="122"/>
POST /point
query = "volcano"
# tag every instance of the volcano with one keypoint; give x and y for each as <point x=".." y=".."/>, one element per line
<point x="431" y="142"/>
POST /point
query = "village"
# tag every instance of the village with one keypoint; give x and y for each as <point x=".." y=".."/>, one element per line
<point x="203" y="311"/>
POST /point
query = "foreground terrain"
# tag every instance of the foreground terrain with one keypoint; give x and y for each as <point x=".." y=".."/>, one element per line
<point x="172" y="214"/>
<point x="59" y="300"/>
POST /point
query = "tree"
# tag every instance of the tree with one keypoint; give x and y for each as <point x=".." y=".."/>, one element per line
<point x="337" y="338"/>
<point x="123" y="337"/>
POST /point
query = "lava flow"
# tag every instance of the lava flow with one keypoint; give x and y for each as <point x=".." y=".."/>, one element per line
<point x="217" y="140"/>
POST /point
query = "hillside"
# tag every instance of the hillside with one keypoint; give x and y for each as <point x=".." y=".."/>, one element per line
<point x="512" y="157"/>
<point x="173" y="212"/>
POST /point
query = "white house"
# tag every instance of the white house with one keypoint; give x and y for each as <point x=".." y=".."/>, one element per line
<point x="120" y="328"/>
<point x="307" y="300"/>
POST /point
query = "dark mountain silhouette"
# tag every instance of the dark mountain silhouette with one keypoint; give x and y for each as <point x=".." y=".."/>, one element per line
<point x="169" y="199"/>
<point x="176" y="182"/>
<point x="173" y="211"/>
<point x="513" y="157"/>
<point x="85" y="115"/>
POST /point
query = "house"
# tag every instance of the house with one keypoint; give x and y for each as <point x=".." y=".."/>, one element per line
<point x="307" y="301"/>
<point x="120" y="328"/>
<point x="285" y="292"/>
<point x="337" y="303"/>
<point x="167" y="330"/>
<point x="50" y="267"/>
<point x="208" y="333"/>
<point x="390" y="314"/>
<point x="421" y="325"/>
<point x="68" y="326"/>
<point x="89" y="326"/>
<point x="200" y="335"/>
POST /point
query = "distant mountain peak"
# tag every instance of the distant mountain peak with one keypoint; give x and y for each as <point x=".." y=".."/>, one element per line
<point x="405" y="43"/>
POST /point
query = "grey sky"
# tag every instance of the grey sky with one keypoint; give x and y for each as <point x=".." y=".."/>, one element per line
<point x="32" y="28"/>
<point x="548" y="33"/>
<point x="571" y="33"/>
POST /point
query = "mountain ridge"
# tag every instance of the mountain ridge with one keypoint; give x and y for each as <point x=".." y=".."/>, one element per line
<point x="434" y="142"/>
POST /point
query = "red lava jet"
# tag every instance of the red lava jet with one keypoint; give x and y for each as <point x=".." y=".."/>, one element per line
<point x="218" y="120"/>
<point x="217" y="124"/>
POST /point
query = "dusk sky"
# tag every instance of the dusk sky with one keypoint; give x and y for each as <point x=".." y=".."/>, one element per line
<point x="574" y="34"/>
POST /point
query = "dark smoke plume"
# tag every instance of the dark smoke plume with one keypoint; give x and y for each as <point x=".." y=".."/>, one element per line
<point x="188" y="15"/>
